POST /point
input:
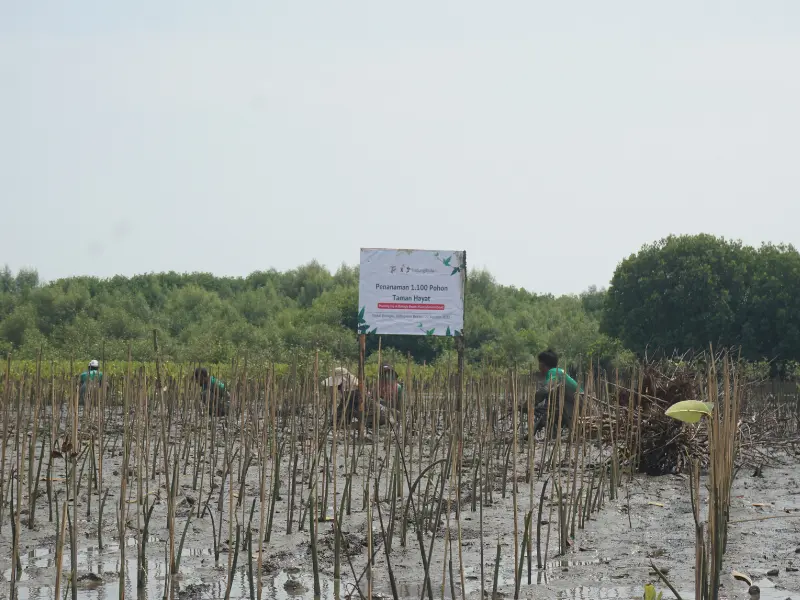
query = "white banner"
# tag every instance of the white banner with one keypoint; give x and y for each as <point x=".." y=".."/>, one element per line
<point x="411" y="292"/>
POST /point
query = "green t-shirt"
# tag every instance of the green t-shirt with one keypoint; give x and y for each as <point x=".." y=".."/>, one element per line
<point x="557" y="375"/>
<point x="215" y="383"/>
<point x="91" y="375"/>
<point x="399" y="393"/>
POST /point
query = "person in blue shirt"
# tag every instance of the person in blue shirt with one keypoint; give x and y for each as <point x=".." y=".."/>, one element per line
<point x="550" y="386"/>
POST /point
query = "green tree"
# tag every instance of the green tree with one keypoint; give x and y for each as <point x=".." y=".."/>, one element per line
<point x="770" y="318"/>
<point x="681" y="293"/>
<point x="684" y="293"/>
<point x="269" y="315"/>
<point x="19" y="325"/>
<point x="7" y="281"/>
<point x="594" y="301"/>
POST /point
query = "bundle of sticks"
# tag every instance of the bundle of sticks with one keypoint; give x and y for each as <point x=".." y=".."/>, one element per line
<point x="633" y="417"/>
<point x="664" y="445"/>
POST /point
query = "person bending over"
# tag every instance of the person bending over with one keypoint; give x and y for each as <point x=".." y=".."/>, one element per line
<point x="552" y="381"/>
<point x="212" y="392"/>
<point x="349" y="404"/>
<point x="390" y="389"/>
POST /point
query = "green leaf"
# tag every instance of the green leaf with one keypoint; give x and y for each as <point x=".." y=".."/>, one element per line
<point x="457" y="333"/>
<point x="430" y="331"/>
<point x="361" y="314"/>
<point x="447" y="333"/>
<point x="374" y="330"/>
<point x="446" y="261"/>
<point x="689" y="411"/>
<point x="650" y="592"/>
<point x="455" y="270"/>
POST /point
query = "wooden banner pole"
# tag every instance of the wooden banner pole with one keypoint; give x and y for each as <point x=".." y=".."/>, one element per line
<point x="362" y="351"/>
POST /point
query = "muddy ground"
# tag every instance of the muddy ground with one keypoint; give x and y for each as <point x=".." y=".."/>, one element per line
<point x="609" y="559"/>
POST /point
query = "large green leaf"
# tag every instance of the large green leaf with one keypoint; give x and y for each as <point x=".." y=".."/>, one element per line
<point x="689" y="411"/>
<point x="650" y="592"/>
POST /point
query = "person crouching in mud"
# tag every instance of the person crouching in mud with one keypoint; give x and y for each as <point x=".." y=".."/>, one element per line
<point x="212" y="393"/>
<point x="349" y="403"/>
<point x="549" y="387"/>
<point x="390" y="389"/>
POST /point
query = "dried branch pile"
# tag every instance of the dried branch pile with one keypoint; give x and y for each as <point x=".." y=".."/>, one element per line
<point x="666" y="445"/>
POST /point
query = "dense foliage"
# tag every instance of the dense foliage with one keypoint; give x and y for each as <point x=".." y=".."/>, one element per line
<point x="683" y="293"/>
<point x="676" y="295"/>
<point x="272" y="316"/>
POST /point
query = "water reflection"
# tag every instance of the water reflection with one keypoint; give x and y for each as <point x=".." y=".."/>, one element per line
<point x="203" y="580"/>
<point x="39" y="566"/>
<point x="593" y="592"/>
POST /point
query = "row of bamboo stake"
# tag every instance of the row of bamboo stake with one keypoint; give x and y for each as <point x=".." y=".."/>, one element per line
<point x="411" y="474"/>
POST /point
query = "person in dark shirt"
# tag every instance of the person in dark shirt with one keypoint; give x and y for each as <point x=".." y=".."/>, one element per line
<point x="349" y="404"/>
<point x="212" y="392"/>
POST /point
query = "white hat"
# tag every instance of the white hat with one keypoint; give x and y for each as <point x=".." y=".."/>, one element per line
<point x="343" y="377"/>
<point x="94" y="364"/>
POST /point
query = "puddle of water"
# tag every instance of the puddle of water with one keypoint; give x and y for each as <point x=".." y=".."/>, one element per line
<point x="278" y="588"/>
<point x="590" y="592"/>
<point x="414" y="590"/>
<point x="106" y="563"/>
<point x="298" y="583"/>
<point x="472" y="584"/>
<point x="559" y="564"/>
<point x="586" y="592"/>
<point x="770" y="592"/>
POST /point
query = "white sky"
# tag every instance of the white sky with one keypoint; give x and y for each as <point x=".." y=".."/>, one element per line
<point x="547" y="139"/>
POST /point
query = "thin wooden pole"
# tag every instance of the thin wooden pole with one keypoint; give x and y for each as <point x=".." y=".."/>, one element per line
<point x="362" y="351"/>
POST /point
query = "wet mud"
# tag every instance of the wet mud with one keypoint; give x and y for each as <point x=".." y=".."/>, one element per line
<point x="651" y="520"/>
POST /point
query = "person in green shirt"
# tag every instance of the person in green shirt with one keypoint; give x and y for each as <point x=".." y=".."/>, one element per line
<point x="549" y="387"/>
<point x="212" y="392"/>
<point x="92" y="374"/>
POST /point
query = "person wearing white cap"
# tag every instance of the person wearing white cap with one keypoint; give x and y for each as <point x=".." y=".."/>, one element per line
<point x="92" y="374"/>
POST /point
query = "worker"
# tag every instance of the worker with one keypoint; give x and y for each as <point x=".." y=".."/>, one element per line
<point x="349" y="403"/>
<point x="212" y="392"/>
<point x="92" y="374"/>
<point x="390" y="390"/>
<point x="553" y="381"/>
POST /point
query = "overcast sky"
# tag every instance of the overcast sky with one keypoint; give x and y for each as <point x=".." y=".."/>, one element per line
<point x="547" y="139"/>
